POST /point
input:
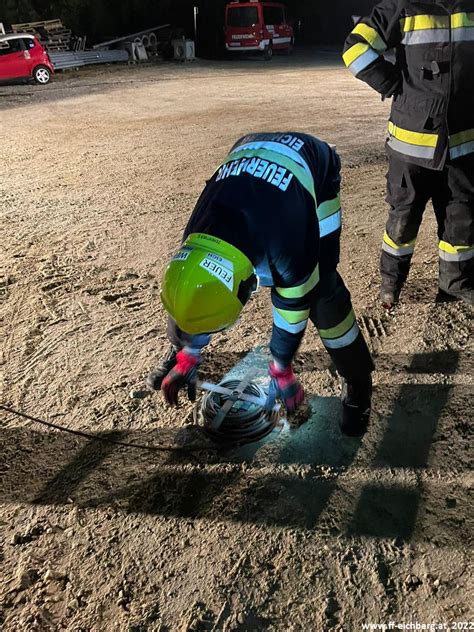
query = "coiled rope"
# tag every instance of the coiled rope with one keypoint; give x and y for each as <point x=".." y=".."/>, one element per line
<point x="244" y="423"/>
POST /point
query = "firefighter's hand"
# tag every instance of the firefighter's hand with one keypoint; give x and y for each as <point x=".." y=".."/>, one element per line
<point x="284" y="386"/>
<point x="184" y="373"/>
<point x="395" y="89"/>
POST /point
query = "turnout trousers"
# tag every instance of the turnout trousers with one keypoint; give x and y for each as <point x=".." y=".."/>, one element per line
<point x="333" y="316"/>
<point x="409" y="189"/>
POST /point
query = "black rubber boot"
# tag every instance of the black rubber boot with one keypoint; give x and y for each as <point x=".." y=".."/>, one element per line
<point x="389" y="298"/>
<point x="467" y="296"/>
<point x="167" y="362"/>
<point x="356" y="399"/>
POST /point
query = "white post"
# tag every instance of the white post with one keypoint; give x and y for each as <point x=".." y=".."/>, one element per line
<point x="2" y="29"/>
<point x="196" y="11"/>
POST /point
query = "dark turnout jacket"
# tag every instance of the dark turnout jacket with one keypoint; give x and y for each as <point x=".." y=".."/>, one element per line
<point x="432" y="81"/>
<point x="276" y="198"/>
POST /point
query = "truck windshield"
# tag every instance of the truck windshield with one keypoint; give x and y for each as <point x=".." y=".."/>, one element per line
<point x="242" y="16"/>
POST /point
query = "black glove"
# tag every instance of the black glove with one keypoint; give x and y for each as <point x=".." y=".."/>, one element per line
<point x="394" y="89"/>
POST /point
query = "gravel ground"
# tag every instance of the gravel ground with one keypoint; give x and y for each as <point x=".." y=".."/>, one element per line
<point x="309" y="531"/>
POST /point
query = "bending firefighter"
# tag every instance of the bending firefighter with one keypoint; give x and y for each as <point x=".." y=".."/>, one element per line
<point x="269" y="216"/>
<point x="431" y="131"/>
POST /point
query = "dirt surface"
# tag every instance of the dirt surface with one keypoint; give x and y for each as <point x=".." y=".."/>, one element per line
<point x="310" y="531"/>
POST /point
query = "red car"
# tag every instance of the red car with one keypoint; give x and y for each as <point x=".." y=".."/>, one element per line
<point x="23" y="57"/>
<point x="257" y="26"/>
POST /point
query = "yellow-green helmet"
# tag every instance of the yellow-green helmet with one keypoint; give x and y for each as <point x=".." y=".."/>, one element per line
<point x="206" y="284"/>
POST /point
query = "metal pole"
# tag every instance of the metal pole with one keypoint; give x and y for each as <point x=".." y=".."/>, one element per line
<point x="196" y="12"/>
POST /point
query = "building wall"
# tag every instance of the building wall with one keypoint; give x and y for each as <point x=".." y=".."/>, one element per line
<point x="329" y="22"/>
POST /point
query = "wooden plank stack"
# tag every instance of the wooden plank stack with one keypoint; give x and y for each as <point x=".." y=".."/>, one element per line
<point x="52" y="34"/>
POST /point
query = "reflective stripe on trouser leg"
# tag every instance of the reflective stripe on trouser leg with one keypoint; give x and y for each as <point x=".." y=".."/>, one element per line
<point x="333" y="316"/>
<point x="342" y="334"/>
<point x="450" y="252"/>
<point x="462" y="143"/>
<point x="455" y="214"/>
<point x="397" y="250"/>
<point x="395" y="262"/>
<point x="456" y="267"/>
<point x="408" y="191"/>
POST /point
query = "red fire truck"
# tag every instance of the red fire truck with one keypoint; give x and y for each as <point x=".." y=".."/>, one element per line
<point x="257" y="26"/>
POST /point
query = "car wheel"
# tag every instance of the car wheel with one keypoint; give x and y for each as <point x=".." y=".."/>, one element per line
<point x="268" y="52"/>
<point x="42" y="75"/>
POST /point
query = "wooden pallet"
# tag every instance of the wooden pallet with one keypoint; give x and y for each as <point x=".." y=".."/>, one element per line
<point x="47" y="24"/>
<point x="51" y="33"/>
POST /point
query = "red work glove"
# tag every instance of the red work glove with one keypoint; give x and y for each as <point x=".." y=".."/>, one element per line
<point x="184" y="373"/>
<point x="284" y="386"/>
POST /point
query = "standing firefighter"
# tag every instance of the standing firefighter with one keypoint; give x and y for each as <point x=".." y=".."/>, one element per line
<point x="270" y="215"/>
<point x="431" y="131"/>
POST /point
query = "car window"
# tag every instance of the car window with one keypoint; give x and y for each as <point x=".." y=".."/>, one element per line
<point x="273" y="15"/>
<point x="242" y="16"/>
<point x="28" y="42"/>
<point x="11" y="46"/>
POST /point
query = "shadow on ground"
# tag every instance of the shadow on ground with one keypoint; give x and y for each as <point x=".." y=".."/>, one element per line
<point x="386" y="485"/>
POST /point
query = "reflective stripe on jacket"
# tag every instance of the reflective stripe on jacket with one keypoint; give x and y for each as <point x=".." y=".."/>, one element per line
<point x="432" y="113"/>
